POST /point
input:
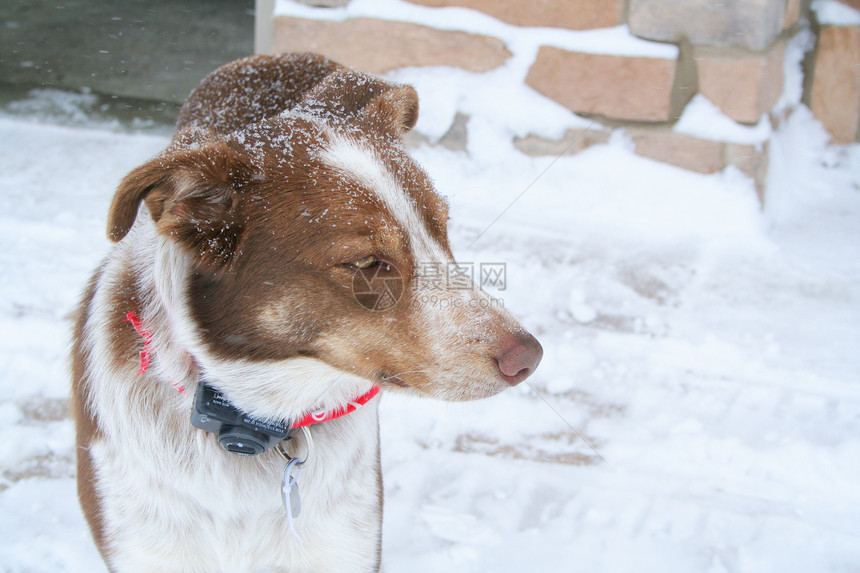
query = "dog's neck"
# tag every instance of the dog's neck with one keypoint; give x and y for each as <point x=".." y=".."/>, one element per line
<point x="173" y="351"/>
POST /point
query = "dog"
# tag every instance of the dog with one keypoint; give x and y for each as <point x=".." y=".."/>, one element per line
<point x="270" y="266"/>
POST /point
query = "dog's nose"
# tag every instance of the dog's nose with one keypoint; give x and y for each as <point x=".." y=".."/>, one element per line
<point x="519" y="356"/>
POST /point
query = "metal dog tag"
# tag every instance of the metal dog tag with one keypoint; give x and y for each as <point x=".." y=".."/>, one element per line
<point x="290" y="489"/>
<point x="290" y="483"/>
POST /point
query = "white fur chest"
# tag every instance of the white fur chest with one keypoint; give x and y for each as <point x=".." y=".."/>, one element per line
<point x="199" y="508"/>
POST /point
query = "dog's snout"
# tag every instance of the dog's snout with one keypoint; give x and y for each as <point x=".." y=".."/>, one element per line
<point x="519" y="356"/>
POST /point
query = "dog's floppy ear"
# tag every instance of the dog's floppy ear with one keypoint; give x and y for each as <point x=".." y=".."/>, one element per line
<point x="348" y="95"/>
<point x="191" y="194"/>
<point x="394" y="110"/>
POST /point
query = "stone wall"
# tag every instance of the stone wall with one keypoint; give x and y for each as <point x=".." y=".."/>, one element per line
<point x="731" y="52"/>
<point x="834" y="89"/>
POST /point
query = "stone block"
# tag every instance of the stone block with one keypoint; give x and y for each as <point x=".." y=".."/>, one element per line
<point x="702" y="155"/>
<point x="835" y="90"/>
<point x="578" y="15"/>
<point x="455" y="139"/>
<point x="617" y="87"/>
<point x="750" y="159"/>
<point x="744" y="85"/>
<point x="457" y="136"/>
<point x="573" y="141"/>
<point x="379" y="46"/>
<point x="793" y="9"/>
<point x="663" y="145"/>
<point x="752" y="24"/>
<point x="684" y="151"/>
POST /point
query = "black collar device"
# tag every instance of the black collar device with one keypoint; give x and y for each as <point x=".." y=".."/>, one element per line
<point x="237" y="431"/>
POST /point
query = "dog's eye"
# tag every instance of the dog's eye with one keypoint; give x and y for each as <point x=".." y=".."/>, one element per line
<point x="365" y="262"/>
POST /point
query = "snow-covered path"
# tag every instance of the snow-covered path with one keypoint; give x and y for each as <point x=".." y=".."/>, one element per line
<point x="697" y="410"/>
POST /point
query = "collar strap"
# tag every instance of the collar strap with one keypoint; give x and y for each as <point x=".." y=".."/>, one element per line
<point x="308" y="419"/>
<point x="327" y="415"/>
<point x="146" y="352"/>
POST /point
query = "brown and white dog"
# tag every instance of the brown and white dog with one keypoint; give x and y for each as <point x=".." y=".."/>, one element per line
<point x="235" y="262"/>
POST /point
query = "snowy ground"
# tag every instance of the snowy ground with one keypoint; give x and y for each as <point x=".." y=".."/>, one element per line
<point x="697" y="409"/>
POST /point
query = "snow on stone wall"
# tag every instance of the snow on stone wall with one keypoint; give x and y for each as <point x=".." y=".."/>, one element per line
<point x="626" y="64"/>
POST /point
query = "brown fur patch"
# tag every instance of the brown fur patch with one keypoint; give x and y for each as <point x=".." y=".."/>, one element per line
<point x="86" y="423"/>
<point x="249" y="90"/>
<point x="126" y="344"/>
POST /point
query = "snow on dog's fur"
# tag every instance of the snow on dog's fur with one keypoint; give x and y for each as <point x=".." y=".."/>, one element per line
<point x="237" y="248"/>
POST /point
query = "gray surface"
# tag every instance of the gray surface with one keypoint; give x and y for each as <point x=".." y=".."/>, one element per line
<point x="134" y="55"/>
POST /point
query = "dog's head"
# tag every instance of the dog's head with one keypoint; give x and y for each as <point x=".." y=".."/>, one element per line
<point x="311" y="235"/>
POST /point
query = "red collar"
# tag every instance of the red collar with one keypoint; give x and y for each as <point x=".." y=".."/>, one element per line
<point x="326" y="415"/>
<point x="306" y="420"/>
